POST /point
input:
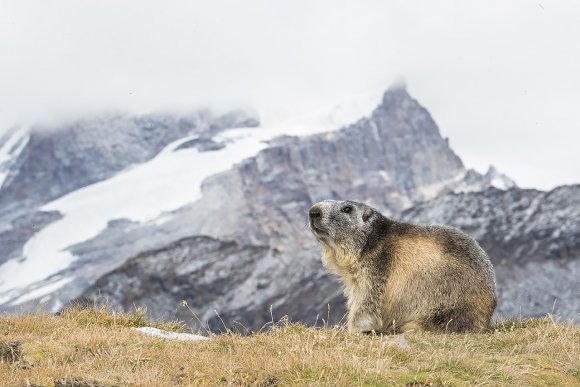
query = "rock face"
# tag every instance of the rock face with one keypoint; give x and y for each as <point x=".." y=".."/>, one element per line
<point x="532" y="237"/>
<point x="200" y="270"/>
<point x="225" y="285"/>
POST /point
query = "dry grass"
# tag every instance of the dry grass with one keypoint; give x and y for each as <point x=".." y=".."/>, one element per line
<point x="94" y="347"/>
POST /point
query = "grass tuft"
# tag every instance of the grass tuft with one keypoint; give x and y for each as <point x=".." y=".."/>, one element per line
<point x="106" y="317"/>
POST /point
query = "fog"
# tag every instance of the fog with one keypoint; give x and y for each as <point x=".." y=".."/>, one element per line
<point x="500" y="78"/>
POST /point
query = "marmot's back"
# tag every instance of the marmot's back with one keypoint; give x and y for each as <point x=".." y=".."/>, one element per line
<point x="439" y="279"/>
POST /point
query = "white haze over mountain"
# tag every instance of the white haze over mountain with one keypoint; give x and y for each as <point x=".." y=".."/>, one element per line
<point x="501" y="78"/>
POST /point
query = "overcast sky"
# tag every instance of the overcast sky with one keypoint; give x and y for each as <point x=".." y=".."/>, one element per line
<point x="501" y="78"/>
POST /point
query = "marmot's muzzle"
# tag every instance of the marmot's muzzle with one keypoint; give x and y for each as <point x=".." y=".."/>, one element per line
<point x="315" y="217"/>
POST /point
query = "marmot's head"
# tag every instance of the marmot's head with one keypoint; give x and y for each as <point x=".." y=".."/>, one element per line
<point x="342" y="224"/>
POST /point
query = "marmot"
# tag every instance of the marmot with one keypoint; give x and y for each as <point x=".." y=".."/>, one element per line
<point x="399" y="276"/>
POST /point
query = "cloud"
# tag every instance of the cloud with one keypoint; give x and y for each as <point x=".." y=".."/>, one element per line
<point x="499" y="77"/>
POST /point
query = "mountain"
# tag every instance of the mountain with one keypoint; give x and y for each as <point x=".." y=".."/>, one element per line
<point x="392" y="159"/>
<point x="42" y="169"/>
<point x="112" y="199"/>
<point x="214" y="214"/>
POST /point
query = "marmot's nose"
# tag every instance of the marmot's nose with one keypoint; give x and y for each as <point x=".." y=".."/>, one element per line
<point x="315" y="212"/>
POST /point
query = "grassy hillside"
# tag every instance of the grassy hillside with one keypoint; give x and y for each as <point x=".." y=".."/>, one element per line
<point x="97" y="347"/>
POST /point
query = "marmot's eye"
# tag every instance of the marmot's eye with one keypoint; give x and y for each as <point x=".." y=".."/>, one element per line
<point x="346" y="209"/>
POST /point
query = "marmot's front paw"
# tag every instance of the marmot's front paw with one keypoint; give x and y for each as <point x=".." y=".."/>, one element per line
<point x="365" y="324"/>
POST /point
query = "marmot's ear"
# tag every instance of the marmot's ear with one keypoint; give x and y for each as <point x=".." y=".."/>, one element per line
<point x="367" y="213"/>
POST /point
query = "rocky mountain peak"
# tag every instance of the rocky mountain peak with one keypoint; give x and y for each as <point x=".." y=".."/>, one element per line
<point x="396" y="93"/>
<point x="402" y="115"/>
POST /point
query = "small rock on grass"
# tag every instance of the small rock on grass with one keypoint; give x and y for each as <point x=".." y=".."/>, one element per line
<point x="170" y="335"/>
